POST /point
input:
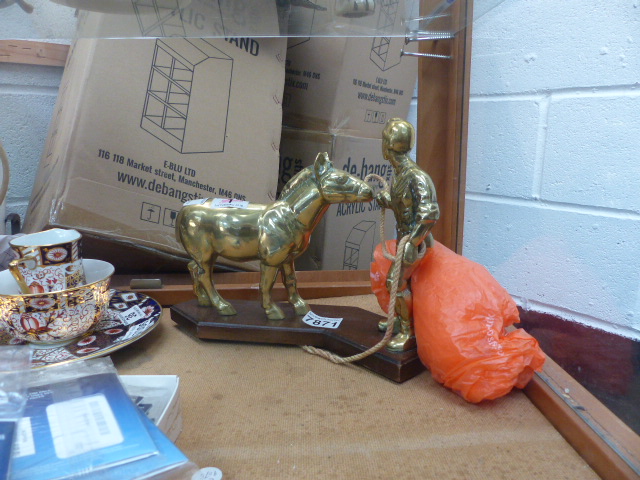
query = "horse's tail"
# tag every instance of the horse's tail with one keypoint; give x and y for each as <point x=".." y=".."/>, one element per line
<point x="179" y="229"/>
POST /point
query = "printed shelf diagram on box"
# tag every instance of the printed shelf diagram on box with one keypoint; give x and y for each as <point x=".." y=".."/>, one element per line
<point x="382" y="53"/>
<point x="159" y="18"/>
<point x="178" y="97"/>
<point x="364" y="230"/>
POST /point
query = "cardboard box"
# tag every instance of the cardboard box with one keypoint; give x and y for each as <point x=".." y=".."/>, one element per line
<point x="142" y="126"/>
<point x="348" y="233"/>
<point x="349" y="85"/>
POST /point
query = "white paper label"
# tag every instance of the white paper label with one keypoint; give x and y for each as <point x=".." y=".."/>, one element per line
<point x="131" y="315"/>
<point x="207" y="473"/>
<point x="136" y="330"/>
<point x="23" y="444"/>
<point x="197" y="201"/>
<point x="229" y="203"/>
<point x="321" y="322"/>
<point x="82" y="425"/>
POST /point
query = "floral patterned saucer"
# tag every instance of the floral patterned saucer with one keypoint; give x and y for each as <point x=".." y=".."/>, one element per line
<point x="129" y="317"/>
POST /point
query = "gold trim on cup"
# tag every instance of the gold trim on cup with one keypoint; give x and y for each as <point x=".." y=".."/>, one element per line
<point x="63" y="291"/>
<point x="17" y="274"/>
<point x="11" y="242"/>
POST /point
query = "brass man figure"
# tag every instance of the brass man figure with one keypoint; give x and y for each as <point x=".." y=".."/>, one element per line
<point x="412" y="197"/>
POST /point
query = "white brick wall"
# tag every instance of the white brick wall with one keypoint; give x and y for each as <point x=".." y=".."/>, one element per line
<point x="553" y="182"/>
<point x="27" y="97"/>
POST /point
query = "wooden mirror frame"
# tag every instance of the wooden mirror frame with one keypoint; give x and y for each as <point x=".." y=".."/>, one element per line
<point x="443" y="106"/>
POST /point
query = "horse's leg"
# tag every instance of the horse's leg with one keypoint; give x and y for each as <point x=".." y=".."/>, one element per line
<point x="197" y="272"/>
<point x="208" y="289"/>
<point x="299" y="305"/>
<point x="268" y="275"/>
<point x="221" y="305"/>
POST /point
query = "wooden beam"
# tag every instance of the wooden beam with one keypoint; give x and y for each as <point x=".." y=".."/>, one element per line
<point x="33" y="53"/>
<point x="443" y="104"/>
<point x="604" y="441"/>
<point x="245" y="285"/>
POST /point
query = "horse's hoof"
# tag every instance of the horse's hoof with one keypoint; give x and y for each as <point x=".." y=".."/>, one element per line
<point x="226" y="309"/>
<point x="301" y="309"/>
<point x="204" y="302"/>
<point x="274" y="313"/>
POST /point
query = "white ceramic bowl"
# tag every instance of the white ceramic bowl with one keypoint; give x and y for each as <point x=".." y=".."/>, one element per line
<point x="57" y="317"/>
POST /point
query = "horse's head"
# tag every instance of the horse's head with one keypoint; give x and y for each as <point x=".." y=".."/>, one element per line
<point x="337" y="186"/>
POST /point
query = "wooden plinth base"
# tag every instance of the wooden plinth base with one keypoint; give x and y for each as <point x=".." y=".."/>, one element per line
<point x="357" y="332"/>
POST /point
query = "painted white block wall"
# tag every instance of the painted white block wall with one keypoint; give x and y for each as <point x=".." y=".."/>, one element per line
<point x="553" y="199"/>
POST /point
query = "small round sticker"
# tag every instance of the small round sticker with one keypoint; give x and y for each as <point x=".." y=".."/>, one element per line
<point x="208" y="473"/>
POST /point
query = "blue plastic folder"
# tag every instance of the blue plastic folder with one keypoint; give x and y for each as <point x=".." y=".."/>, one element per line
<point x="168" y="459"/>
<point x="7" y="431"/>
<point x="77" y="427"/>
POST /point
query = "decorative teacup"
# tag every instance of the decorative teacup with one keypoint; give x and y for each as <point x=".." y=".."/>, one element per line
<point x="56" y="317"/>
<point x="50" y="261"/>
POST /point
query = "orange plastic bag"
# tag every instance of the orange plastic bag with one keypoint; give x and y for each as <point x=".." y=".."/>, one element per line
<point x="460" y="314"/>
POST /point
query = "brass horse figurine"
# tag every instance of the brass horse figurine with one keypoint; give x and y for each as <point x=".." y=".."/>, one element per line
<point x="274" y="234"/>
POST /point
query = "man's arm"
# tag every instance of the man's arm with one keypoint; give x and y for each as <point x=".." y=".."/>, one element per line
<point x="384" y="199"/>
<point x="427" y="212"/>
